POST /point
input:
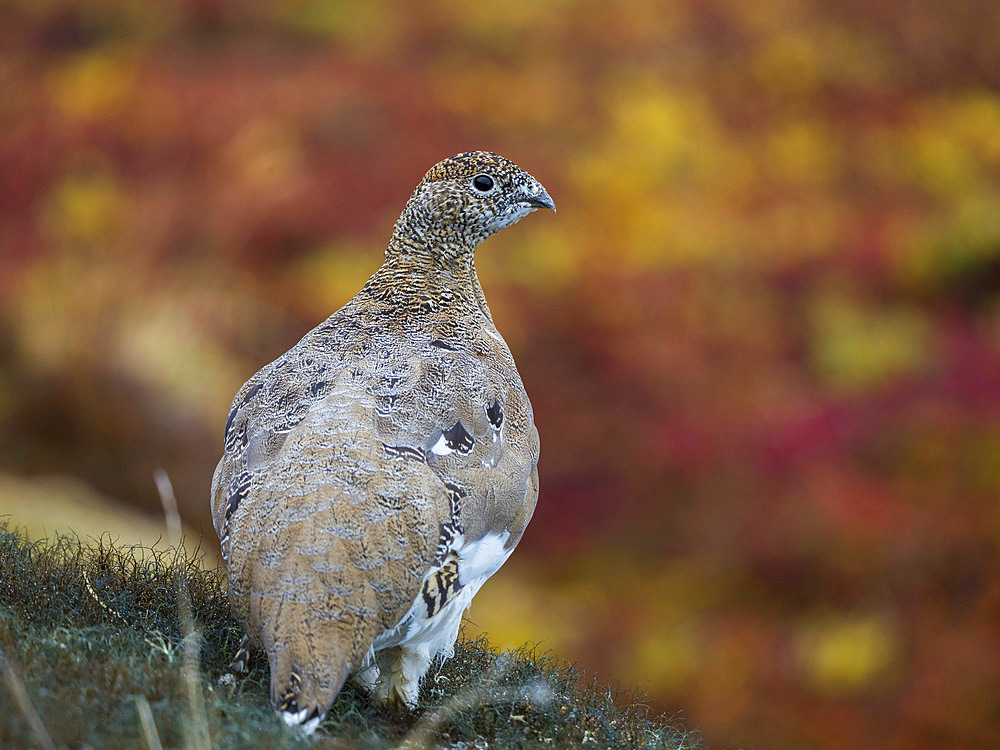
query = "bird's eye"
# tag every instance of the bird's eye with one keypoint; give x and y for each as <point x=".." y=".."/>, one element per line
<point x="483" y="183"/>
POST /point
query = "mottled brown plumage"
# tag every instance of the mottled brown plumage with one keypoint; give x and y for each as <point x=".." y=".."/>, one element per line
<point x="380" y="470"/>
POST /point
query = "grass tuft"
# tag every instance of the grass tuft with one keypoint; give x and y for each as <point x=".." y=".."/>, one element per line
<point x="94" y="640"/>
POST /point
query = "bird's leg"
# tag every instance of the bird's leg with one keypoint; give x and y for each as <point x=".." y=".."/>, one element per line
<point x="402" y="682"/>
<point x="242" y="658"/>
<point x="367" y="675"/>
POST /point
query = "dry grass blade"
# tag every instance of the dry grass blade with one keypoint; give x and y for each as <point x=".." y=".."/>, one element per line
<point x="16" y="688"/>
<point x="148" y="725"/>
<point x="196" y="736"/>
<point x="169" y="502"/>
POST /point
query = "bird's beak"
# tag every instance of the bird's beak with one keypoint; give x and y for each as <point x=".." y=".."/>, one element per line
<point x="534" y="195"/>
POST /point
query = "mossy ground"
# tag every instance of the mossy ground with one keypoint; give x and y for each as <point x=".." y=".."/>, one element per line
<point x="93" y="634"/>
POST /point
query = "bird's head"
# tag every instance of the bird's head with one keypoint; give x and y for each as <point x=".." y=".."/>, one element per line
<point x="465" y="198"/>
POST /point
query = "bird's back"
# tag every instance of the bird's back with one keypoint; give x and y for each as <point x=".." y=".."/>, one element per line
<point x="348" y="462"/>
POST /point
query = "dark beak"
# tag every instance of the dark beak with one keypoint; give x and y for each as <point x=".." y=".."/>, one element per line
<point x="536" y="196"/>
<point x="542" y="201"/>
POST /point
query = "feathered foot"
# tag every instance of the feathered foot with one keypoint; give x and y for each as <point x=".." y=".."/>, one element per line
<point x="241" y="661"/>
<point x="400" y="671"/>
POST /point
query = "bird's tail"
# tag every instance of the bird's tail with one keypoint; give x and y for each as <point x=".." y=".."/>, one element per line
<point x="315" y="633"/>
<point x="317" y="593"/>
<point x="303" y="690"/>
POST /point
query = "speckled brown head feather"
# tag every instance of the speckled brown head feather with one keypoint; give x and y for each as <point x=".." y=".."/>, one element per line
<point x="377" y="473"/>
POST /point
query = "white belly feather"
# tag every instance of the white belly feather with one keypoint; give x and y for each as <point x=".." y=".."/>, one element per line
<point x="426" y="635"/>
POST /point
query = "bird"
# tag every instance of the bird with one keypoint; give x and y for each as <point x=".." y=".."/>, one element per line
<point x="376" y="474"/>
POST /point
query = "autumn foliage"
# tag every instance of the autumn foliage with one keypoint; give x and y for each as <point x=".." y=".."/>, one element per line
<point x="761" y="336"/>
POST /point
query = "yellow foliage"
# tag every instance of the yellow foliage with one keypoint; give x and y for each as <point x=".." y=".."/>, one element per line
<point x="802" y="153"/>
<point x="501" y="18"/>
<point x="788" y="64"/>
<point x="845" y="655"/>
<point x="540" y="255"/>
<point x="327" y="278"/>
<point x="941" y="163"/>
<point x="669" y="657"/>
<point x="85" y="207"/>
<point x="60" y="310"/>
<point x="937" y="247"/>
<point x="854" y="348"/>
<point x="370" y="26"/>
<point x="667" y="180"/>
<point x="665" y="134"/>
<point x="93" y="84"/>
<point x="513" y="610"/>
<point x="976" y="116"/>
<point x="951" y="145"/>
<point x="531" y="99"/>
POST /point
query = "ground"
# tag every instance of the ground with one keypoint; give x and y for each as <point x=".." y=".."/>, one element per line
<point x="106" y="645"/>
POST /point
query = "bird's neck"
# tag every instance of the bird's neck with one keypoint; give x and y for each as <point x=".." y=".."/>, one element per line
<point x="429" y="251"/>
<point x="439" y="269"/>
<point x="433" y="236"/>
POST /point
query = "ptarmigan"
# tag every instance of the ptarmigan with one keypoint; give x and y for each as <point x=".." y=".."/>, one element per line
<point x="377" y="473"/>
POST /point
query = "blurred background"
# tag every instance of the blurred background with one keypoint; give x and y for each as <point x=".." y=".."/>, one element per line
<point x="761" y="336"/>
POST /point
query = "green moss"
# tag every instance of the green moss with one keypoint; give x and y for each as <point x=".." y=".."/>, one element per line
<point x="95" y="632"/>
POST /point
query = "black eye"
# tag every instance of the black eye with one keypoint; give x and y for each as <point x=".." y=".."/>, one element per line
<point x="483" y="182"/>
